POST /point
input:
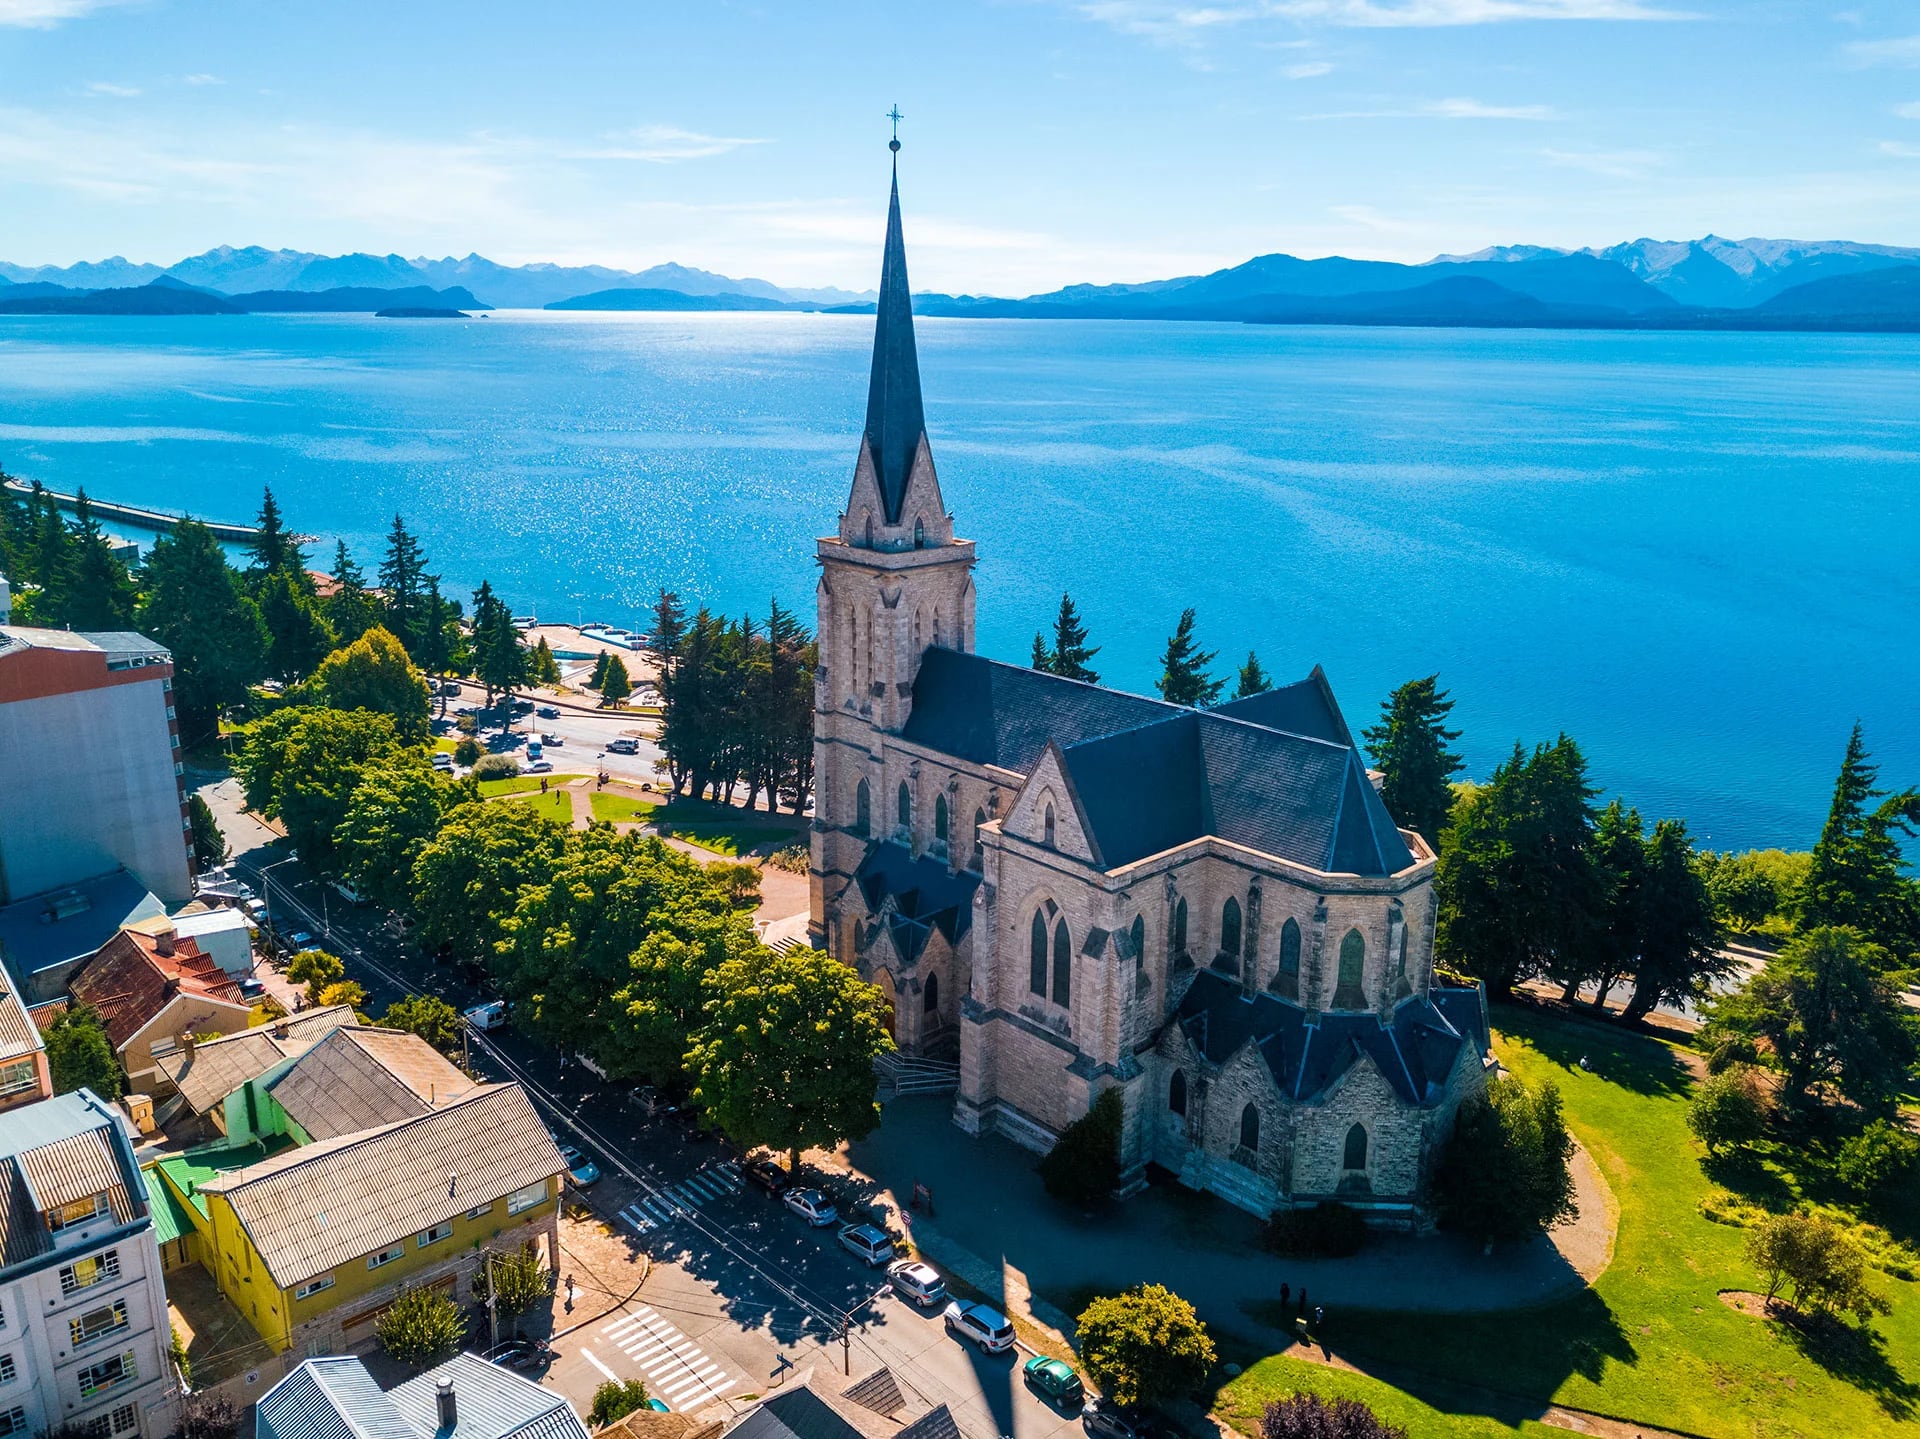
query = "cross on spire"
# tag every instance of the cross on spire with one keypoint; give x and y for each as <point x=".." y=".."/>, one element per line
<point x="895" y="116"/>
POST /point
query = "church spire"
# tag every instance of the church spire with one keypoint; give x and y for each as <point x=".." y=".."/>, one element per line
<point x="895" y="418"/>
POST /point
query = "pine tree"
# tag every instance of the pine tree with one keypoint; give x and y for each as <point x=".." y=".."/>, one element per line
<point x="615" y="685"/>
<point x="350" y="610"/>
<point x="1183" y="669"/>
<point x="1410" y="747"/>
<point x="1620" y="859"/>
<point x="13" y="530"/>
<point x="1253" y="679"/>
<point x="599" y="675"/>
<point x="273" y="547"/>
<point x="194" y="606"/>
<point x="1042" y="657"/>
<point x="298" y="636"/>
<point x="403" y="582"/>
<point x="499" y="658"/>
<point x="669" y="628"/>
<point x="1071" y="655"/>
<point x="1856" y="879"/>
<point x="1679" y="942"/>
<point x="53" y="559"/>
<point x="542" y="667"/>
<point x="102" y="594"/>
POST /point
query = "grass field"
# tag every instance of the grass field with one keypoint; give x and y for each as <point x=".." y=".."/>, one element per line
<point x="1242" y="1402"/>
<point x="1651" y="1341"/>
<point x="556" y="806"/>
<point x="521" y="784"/>
<point x="621" y="809"/>
<point x="725" y="831"/>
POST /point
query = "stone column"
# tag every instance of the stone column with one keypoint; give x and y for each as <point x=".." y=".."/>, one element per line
<point x="1250" y="942"/>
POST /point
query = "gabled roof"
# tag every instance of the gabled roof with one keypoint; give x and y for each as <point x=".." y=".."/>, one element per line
<point x="332" y="1398"/>
<point x="214" y="1068"/>
<point x="489" y="1403"/>
<point x="52" y="1153"/>
<point x="317" y="1206"/>
<point x="356" y="1078"/>
<point x="1305" y="707"/>
<point x="895" y="417"/>
<point x="131" y="980"/>
<point x="19" y="1035"/>
<point x="926" y="896"/>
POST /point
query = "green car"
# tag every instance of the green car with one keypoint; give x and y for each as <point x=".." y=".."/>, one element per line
<point x="1055" y="1381"/>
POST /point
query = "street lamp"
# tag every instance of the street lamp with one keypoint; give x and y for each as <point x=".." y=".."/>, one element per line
<point x="266" y="885"/>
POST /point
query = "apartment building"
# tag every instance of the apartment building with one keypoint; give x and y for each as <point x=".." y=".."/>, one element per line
<point x="84" y="1338"/>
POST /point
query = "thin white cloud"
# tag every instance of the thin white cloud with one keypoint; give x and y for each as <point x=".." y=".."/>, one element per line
<point x="1456" y="108"/>
<point x="1900" y="150"/>
<point x="1610" y="164"/>
<point x="1171" y="22"/>
<point x="107" y="87"/>
<point x="1909" y="111"/>
<point x="203" y="80"/>
<point x="1901" y="50"/>
<point x="45" y="14"/>
<point x="662" y="145"/>
<point x="1308" y="70"/>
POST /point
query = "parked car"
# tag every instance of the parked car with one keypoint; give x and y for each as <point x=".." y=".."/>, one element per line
<point x="765" y="1173"/>
<point x="523" y="707"/>
<point x="653" y="1103"/>
<point x="299" y="940"/>
<point x="491" y="1015"/>
<point x="1053" y="1380"/>
<point x="547" y="712"/>
<point x="251" y="988"/>
<point x="553" y="741"/>
<point x="871" y="1244"/>
<point x="623" y="746"/>
<point x="1105" y="1419"/>
<point x="658" y="1406"/>
<point x="920" y="1283"/>
<point x="989" y="1329"/>
<point x="583" y="1172"/>
<point x="348" y="892"/>
<point x="449" y="687"/>
<point x="443" y="761"/>
<point x="540" y="766"/>
<point x="520" y="1354"/>
<point x="812" y="1206"/>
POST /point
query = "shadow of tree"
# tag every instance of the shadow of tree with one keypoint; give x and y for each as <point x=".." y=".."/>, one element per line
<point x="1636" y="1062"/>
<point x="1857" y="1355"/>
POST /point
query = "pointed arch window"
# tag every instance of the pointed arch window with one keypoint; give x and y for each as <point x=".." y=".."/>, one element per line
<point x="1037" y="957"/>
<point x="979" y="823"/>
<point x="919" y="533"/>
<point x="1180" y="927"/>
<point x="1230" y="927"/>
<point x="1286" y="979"/>
<point x="1402" y="986"/>
<point x="863" y="808"/>
<point x="1356" y="1150"/>
<point x="1139" y="935"/>
<point x="1250" y="1127"/>
<point x="1177" y="1093"/>
<point x="931" y="1002"/>
<point x="1062" y="965"/>
<point x="905" y="807"/>
<point x="1048" y="827"/>
<point x="869" y="530"/>
<point x="940" y="818"/>
<point x="1347" y="993"/>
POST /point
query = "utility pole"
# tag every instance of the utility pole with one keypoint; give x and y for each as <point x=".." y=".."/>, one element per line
<point x="493" y="1307"/>
<point x="846" y="1346"/>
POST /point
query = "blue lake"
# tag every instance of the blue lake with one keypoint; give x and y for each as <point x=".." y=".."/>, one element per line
<point x="1694" y="553"/>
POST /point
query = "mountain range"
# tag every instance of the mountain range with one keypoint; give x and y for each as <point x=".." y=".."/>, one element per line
<point x="1711" y="283"/>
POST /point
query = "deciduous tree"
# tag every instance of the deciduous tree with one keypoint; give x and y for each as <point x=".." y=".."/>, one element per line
<point x="614" y="1400"/>
<point x="1504" y="1176"/>
<point x="317" y="970"/>
<point x="375" y="674"/>
<point x="428" y="1016"/>
<point x="1145" y="1346"/>
<point x="1184" y="679"/>
<point x="393" y="814"/>
<point x="1815" y="1259"/>
<point x="421" y="1327"/>
<point x="1729" y="1109"/>
<point x="79" y="1054"/>
<point x="468" y="878"/>
<point x="1083" y="1167"/>
<point x="301" y="766"/>
<point x="1412" y="748"/>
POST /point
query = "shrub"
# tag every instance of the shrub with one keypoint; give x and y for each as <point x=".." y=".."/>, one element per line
<point x="1145" y="1346"/>
<point x="496" y="766"/>
<point x="794" y="859"/>
<point x="208" y="1415"/>
<point x="1308" y="1416"/>
<point x="467" y="751"/>
<point x="614" y="1400"/>
<point x="1811" y="1255"/>
<point x="1326" y="1231"/>
<point x="740" y="882"/>
<point x="1730" y="1110"/>
<point x="1083" y="1167"/>
<point x="1504" y="1176"/>
<point x="1879" y="1160"/>
<point x="1731" y="1050"/>
<point x="79" y="1054"/>
<point x="421" y="1327"/>
<point x="517" y="1280"/>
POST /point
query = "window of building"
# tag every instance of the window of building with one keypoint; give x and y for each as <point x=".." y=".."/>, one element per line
<point x="1353" y="962"/>
<point x="84" y="1273"/>
<point x="19" y="1077"/>
<point x="905" y="807"/>
<point x="480" y="1211"/>
<point x="108" y="1374"/>
<point x="1062" y="965"/>
<point x="869" y="531"/>
<point x="863" y="808"/>
<point x="979" y="823"/>
<point x="122" y="1420"/>
<point x="1356" y="1155"/>
<point x="126" y="1419"/>
<point x="78" y="1212"/>
<point x="1177" y="1093"/>
<point x="313" y="1287"/>
<point x="387" y="1255"/>
<point x="1286" y="979"/>
<point x="1048" y="827"/>
<point x="931" y="1000"/>
<point x="1139" y="936"/>
<point x="919" y="534"/>
<point x="1250" y="1127"/>
<point x="1180" y="927"/>
<point x="9" y="1371"/>
<point x="524" y="1199"/>
<point x="1037" y="956"/>
<point x="13" y="1421"/>
<point x="442" y="1230"/>
<point x="98" y="1323"/>
<point x="940" y="818"/>
<point x="1230" y="927"/>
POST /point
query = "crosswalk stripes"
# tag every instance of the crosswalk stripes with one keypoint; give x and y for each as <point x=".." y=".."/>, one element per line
<point x="677" y="1370"/>
<point x="677" y="1201"/>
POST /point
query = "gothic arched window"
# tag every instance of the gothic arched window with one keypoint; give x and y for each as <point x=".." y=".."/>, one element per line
<point x="1286" y="979"/>
<point x="906" y="806"/>
<point x="1230" y="927"/>
<point x="1177" y="1093"/>
<point x="863" y="808"/>
<point x="979" y="821"/>
<point x="1356" y="1155"/>
<point x="1180" y="927"/>
<point x="931" y="1003"/>
<point x="940" y="818"/>
<point x="1347" y="993"/>
<point x="1037" y="956"/>
<point x="1250" y="1127"/>
<point x="919" y="533"/>
<point x="869" y="531"/>
<point x="1047" y="826"/>
<point x="1139" y="933"/>
<point x="1062" y="965"/>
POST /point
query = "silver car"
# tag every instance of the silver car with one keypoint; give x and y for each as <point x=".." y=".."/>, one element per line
<point x="989" y="1329"/>
<point x="917" y="1282"/>
<point x="873" y="1245"/>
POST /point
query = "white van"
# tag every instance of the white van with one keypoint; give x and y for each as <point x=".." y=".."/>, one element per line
<point x="491" y="1015"/>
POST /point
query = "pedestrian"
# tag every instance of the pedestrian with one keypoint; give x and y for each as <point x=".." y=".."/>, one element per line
<point x="1286" y="1296"/>
<point x="543" y="784"/>
<point x="1301" y="1312"/>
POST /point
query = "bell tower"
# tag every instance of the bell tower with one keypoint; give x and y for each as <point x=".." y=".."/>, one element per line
<point x="893" y="580"/>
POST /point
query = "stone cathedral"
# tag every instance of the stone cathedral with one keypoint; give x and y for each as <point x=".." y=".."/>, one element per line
<point x="1066" y="889"/>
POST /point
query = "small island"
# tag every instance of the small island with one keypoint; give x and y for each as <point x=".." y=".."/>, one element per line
<point x="420" y="312"/>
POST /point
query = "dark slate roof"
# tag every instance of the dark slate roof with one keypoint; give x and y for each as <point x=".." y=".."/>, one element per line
<point x="895" y="417"/>
<point x="926" y="896"/>
<point x="1304" y="708"/>
<point x="796" y="1414"/>
<point x="987" y="712"/>
<point x="1416" y="1051"/>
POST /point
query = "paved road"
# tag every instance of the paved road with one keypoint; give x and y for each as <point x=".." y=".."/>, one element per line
<point x="741" y="1292"/>
<point x="583" y="732"/>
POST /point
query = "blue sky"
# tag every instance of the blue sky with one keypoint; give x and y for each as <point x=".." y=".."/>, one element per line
<point x="1048" y="141"/>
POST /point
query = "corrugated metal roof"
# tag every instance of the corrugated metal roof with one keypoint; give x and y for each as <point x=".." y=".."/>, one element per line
<point x="130" y="982"/>
<point x="18" y="1033"/>
<point x="215" y="1068"/>
<point x="334" y="1398"/>
<point x="489" y="1403"/>
<point x="357" y="1079"/>
<point x="312" y="1208"/>
<point x="75" y="1168"/>
<point x="59" y="1150"/>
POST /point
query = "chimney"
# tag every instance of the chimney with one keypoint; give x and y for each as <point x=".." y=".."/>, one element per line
<point x="187" y="1042"/>
<point x="280" y="1030"/>
<point x="449" y="1412"/>
<point x="163" y="941"/>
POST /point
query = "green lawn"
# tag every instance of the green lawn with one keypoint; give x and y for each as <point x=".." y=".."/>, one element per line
<point x="723" y="830"/>
<point x="622" y="809"/>
<point x="1243" y="1401"/>
<point x="521" y="784"/>
<point x="1651" y="1341"/>
<point x="555" y="806"/>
